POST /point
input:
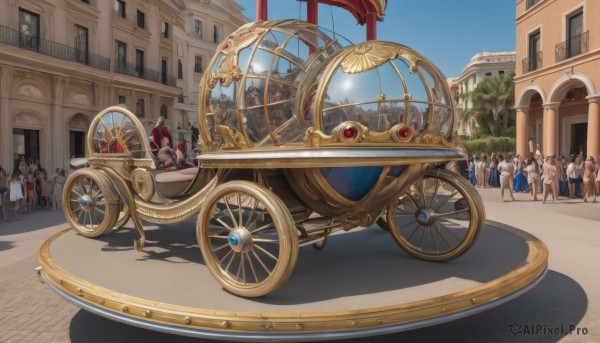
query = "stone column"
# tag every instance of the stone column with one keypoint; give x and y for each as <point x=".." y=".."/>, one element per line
<point x="593" y="136"/>
<point x="59" y="135"/>
<point x="522" y="129"/>
<point x="6" y="140"/>
<point x="550" y="139"/>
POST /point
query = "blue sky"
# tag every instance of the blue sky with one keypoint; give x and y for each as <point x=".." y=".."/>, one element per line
<point x="448" y="32"/>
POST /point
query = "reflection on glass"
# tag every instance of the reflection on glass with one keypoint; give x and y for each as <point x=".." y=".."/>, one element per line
<point x="117" y="134"/>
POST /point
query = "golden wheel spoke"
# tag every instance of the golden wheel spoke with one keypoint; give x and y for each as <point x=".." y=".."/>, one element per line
<point x="79" y="215"/>
<point x="414" y="201"/>
<point x="451" y="233"/>
<point x="267" y="252"/>
<point x="263" y="228"/>
<point x="422" y="236"/>
<point x="248" y="223"/>
<point x="100" y="211"/>
<point x="262" y="264"/>
<point x="446" y="199"/>
<point x="230" y="262"/>
<point x="239" y="204"/>
<point x="220" y="247"/>
<point x="407" y="204"/>
<point x="262" y="240"/>
<point x="252" y="268"/>
<point x="414" y="231"/>
<point x="233" y="220"/>
<point x="243" y="264"/>
<point x="82" y="186"/>
<point x="436" y="188"/>
<point x="437" y="229"/>
<point x="262" y="213"/>
<point x="433" y="239"/>
<point x="78" y="195"/>
<point x="97" y="219"/>
<point x="223" y="223"/>
<point x="218" y="237"/>
<point x="224" y="257"/>
<point x="451" y="213"/>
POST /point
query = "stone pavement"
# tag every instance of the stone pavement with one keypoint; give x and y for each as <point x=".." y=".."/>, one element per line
<point x="569" y="295"/>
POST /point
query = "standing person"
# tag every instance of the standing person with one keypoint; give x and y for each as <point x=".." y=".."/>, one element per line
<point x="533" y="177"/>
<point x="4" y="183"/>
<point x="549" y="176"/>
<point x="30" y="191"/>
<point x="589" y="188"/>
<point x="160" y="136"/>
<point x="46" y="184"/>
<point x="506" y="169"/>
<point x="472" y="171"/>
<point x="520" y="184"/>
<point x="573" y="173"/>
<point x="16" y="193"/>
<point x="59" y="181"/>
<point x="479" y="173"/>
<point x="494" y="179"/>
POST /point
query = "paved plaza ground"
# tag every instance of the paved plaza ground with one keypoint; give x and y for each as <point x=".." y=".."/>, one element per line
<point x="569" y="294"/>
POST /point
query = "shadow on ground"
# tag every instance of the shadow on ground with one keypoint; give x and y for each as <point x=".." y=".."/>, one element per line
<point x="40" y="219"/>
<point x="6" y="245"/>
<point x="557" y="300"/>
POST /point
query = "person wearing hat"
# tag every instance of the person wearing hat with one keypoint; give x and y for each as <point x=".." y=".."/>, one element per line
<point x="160" y="136"/>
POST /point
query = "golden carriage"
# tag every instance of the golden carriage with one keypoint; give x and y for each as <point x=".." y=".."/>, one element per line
<point x="300" y="138"/>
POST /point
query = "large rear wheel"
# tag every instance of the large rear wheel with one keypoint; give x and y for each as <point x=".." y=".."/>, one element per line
<point x="439" y="218"/>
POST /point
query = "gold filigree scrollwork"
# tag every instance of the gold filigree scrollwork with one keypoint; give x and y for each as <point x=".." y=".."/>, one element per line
<point x="143" y="184"/>
<point x="367" y="56"/>
<point x="233" y="138"/>
<point x="351" y="132"/>
<point x="228" y="70"/>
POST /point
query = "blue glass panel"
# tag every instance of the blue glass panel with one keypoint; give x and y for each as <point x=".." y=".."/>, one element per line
<point x="352" y="183"/>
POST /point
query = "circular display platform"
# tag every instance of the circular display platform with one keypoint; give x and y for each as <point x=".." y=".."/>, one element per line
<point x="361" y="284"/>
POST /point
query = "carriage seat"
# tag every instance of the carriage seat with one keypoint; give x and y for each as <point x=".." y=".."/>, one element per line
<point x="171" y="184"/>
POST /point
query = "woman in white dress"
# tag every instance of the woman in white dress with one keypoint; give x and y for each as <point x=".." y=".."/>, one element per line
<point x="533" y="177"/>
<point x="506" y="169"/>
<point x="16" y="193"/>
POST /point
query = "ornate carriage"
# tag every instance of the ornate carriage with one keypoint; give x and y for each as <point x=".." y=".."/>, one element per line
<point x="301" y="137"/>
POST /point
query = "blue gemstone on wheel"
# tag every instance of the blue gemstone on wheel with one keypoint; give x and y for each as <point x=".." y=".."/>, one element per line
<point x="353" y="183"/>
<point x="233" y="240"/>
<point x="82" y="202"/>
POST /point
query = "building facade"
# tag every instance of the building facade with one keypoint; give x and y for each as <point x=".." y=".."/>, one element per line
<point x="62" y="61"/>
<point x="558" y="52"/>
<point x="482" y="66"/>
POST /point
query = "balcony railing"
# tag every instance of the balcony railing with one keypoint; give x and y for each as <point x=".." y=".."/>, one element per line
<point x="572" y="47"/>
<point x="144" y="73"/>
<point x="52" y="49"/>
<point x="531" y="3"/>
<point x="532" y="63"/>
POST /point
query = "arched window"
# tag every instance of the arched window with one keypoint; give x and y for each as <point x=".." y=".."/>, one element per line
<point x="163" y="111"/>
<point x="140" y="108"/>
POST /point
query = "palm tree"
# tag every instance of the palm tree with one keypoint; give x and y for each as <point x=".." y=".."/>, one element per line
<point x="493" y="96"/>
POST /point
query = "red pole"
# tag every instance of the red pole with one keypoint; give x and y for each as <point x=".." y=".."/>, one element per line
<point x="371" y="26"/>
<point x="261" y="10"/>
<point x="312" y="12"/>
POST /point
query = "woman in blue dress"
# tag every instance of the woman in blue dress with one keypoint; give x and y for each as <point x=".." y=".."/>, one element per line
<point x="520" y="183"/>
<point x="494" y="179"/>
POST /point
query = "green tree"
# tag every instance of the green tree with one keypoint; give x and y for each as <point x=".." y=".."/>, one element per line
<point x="489" y="98"/>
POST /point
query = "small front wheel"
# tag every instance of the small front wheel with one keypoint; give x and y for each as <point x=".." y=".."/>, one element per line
<point x="248" y="238"/>
<point x="89" y="204"/>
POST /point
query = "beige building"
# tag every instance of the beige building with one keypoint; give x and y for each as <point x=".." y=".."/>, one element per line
<point x="482" y="66"/>
<point x="558" y="49"/>
<point x="62" y="61"/>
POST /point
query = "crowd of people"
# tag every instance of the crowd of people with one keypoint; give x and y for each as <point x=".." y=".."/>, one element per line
<point x="573" y="177"/>
<point x="31" y="185"/>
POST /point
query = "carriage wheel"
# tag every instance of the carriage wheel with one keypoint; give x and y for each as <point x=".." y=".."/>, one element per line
<point x="439" y="218"/>
<point x="248" y="238"/>
<point x="90" y="206"/>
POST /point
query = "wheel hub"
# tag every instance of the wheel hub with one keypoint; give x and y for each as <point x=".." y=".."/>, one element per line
<point x="240" y="240"/>
<point x="426" y="217"/>
<point x="86" y="202"/>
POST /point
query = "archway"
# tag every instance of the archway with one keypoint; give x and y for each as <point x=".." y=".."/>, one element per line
<point x="77" y="127"/>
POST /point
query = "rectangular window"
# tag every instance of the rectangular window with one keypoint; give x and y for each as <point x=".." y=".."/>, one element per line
<point x="81" y="44"/>
<point x="198" y="65"/>
<point x="501" y="72"/>
<point x="86" y="1"/>
<point x="216" y="34"/>
<point x="488" y="74"/>
<point x="141" y="19"/>
<point x="120" y="56"/>
<point x="120" y="8"/>
<point x="165" y="29"/>
<point x="122" y="99"/>
<point x="534" y="55"/>
<point x="139" y="62"/>
<point x="29" y="30"/>
<point x="198" y="27"/>
<point x="574" y="34"/>
<point x="530" y="3"/>
<point x="163" y="71"/>
<point x="179" y="70"/>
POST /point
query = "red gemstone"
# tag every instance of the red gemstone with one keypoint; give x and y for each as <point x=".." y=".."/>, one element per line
<point x="350" y="132"/>
<point x="404" y="132"/>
